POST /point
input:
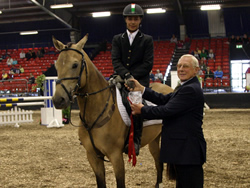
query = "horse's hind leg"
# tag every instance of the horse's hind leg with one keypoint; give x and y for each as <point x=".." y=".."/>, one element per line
<point x="118" y="165"/>
<point x="154" y="149"/>
<point x="97" y="165"/>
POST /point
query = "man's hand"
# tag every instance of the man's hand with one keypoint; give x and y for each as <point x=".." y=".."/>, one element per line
<point x="136" y="108"/>
<point x="137" y="86"/>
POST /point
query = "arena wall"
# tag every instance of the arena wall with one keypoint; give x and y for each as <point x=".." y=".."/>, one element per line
<point x="228" y="100"/>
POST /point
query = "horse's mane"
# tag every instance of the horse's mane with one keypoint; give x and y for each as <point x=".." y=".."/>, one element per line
<point x="69" y="45"/>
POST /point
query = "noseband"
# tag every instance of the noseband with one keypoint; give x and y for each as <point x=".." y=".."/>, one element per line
<point x="78" y="85"/>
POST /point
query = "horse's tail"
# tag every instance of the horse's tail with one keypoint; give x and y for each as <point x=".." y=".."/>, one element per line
<point x="171" y="172"/>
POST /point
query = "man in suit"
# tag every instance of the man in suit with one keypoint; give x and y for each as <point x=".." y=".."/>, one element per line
<point x="132" y="57"/>
<point x="183" y="144"/>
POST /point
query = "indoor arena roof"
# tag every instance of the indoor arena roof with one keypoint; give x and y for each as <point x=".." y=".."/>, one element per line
<point x="14" y="11"/>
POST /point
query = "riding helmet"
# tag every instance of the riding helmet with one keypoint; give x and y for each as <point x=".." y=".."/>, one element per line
<point x="133" y="10"/>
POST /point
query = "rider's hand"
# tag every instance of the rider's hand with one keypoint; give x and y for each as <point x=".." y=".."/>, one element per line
<point x="128" y="82"/>
<point x="137" y="86"/>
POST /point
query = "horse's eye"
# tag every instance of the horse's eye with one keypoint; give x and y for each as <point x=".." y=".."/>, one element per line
<point x="75" y="65"/>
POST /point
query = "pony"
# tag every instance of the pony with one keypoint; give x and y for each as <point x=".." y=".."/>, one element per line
<point x="102" y="131"/>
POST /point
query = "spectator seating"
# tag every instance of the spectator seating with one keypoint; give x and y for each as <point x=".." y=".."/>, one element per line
<point x="36" y="66"/>
<point x="220" y="47"/>
<point x="163" y="52"/>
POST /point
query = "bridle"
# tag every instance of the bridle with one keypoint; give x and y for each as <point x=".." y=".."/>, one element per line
<point x="78" y="85"/>
<point x="76" y="92"/>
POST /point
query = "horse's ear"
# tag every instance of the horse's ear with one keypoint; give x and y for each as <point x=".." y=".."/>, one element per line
<point x="58" y="45"/>
<point x="82" y="42"/>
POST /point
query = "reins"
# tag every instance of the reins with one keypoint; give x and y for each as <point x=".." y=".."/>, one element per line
<point x="86" y="95"/>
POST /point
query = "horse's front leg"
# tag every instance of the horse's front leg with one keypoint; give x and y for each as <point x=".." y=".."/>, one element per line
<point x="117" y="161"/>
<point x="97" y="165"/>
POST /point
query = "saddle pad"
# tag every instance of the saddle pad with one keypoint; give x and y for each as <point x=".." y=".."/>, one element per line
<point x="125" y="115"/>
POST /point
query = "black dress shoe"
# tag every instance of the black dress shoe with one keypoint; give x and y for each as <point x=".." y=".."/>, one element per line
<point x="137" y="149"/>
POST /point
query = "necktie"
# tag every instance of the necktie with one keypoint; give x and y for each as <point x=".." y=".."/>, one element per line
<point x="130" y="39"/>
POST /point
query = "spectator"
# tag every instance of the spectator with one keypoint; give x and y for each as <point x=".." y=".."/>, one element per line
<point x="11" y="74"/>
<point x="9" y="61"/>
<point x="13" y="68"/>
<point x="211" y="54"/>
<point x="206" y="51"/>
<point x="158" y="76"/>
<point x="4" y="56"/>
<point x="21" y="69"/>
<point x="183" y="146"/>
<point x="180" y="44"/>
<point x="209" y="73"/>
<point x="173" y="39"/>
<point x="198" y="50"/>
<point x="151" y="76"/>
<point x="203" y="54"/>
<point x="238" y="40"/>
<point x="200" y="73"/>
<point x="218" y="73"/>
<point x="245" y="39"/>
<point x="18" y="71"/>
<point x="4" y="75"/>
<point x="22" y="54"/>
<point x="232" y="40"/>
<point x="40" y="54"/>
<point x="33" y="54"/>
<point x="14" y="61"/>
<point x="203" y="66"/>
<point x="132" y="56"/>
<point x="186" y="42"/>
<point x="196" y="55"/>
<point x="42" y="50"/>
<point x="28" y="55"/>
<point x="31" y="79"/>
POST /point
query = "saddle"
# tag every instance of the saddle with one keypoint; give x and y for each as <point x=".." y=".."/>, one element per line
<point x="123" y="103"/>
<point x="119" y="82"/>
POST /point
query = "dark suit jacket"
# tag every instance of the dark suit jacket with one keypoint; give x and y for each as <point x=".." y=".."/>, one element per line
<point x="182" y="141"/>
<point x="136" y="59"/>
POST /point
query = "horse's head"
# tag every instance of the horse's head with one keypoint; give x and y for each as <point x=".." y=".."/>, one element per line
<point x="71" y="70"/>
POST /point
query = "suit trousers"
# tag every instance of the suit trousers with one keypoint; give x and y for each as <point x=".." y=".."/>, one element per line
<point x="189" y="176"/>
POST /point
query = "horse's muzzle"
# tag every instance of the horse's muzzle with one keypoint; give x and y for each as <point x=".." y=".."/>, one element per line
<point x="60" y="102"/>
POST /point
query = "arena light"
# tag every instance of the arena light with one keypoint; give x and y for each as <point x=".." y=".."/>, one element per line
<point x="210" y="7"/>
<point x="239" y="46"/>
<point x="155" y="10"/>
<point x="100" y="14"/>
<point x="28" y="32"/>
<point x="1" y="12"/>
<point x="57" y="6"/>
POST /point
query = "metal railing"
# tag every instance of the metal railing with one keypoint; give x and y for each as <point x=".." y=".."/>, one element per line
<point x="13" y="86"/>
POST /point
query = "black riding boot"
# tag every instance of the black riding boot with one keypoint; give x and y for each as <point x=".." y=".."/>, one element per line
<point x="138" y="126"/>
